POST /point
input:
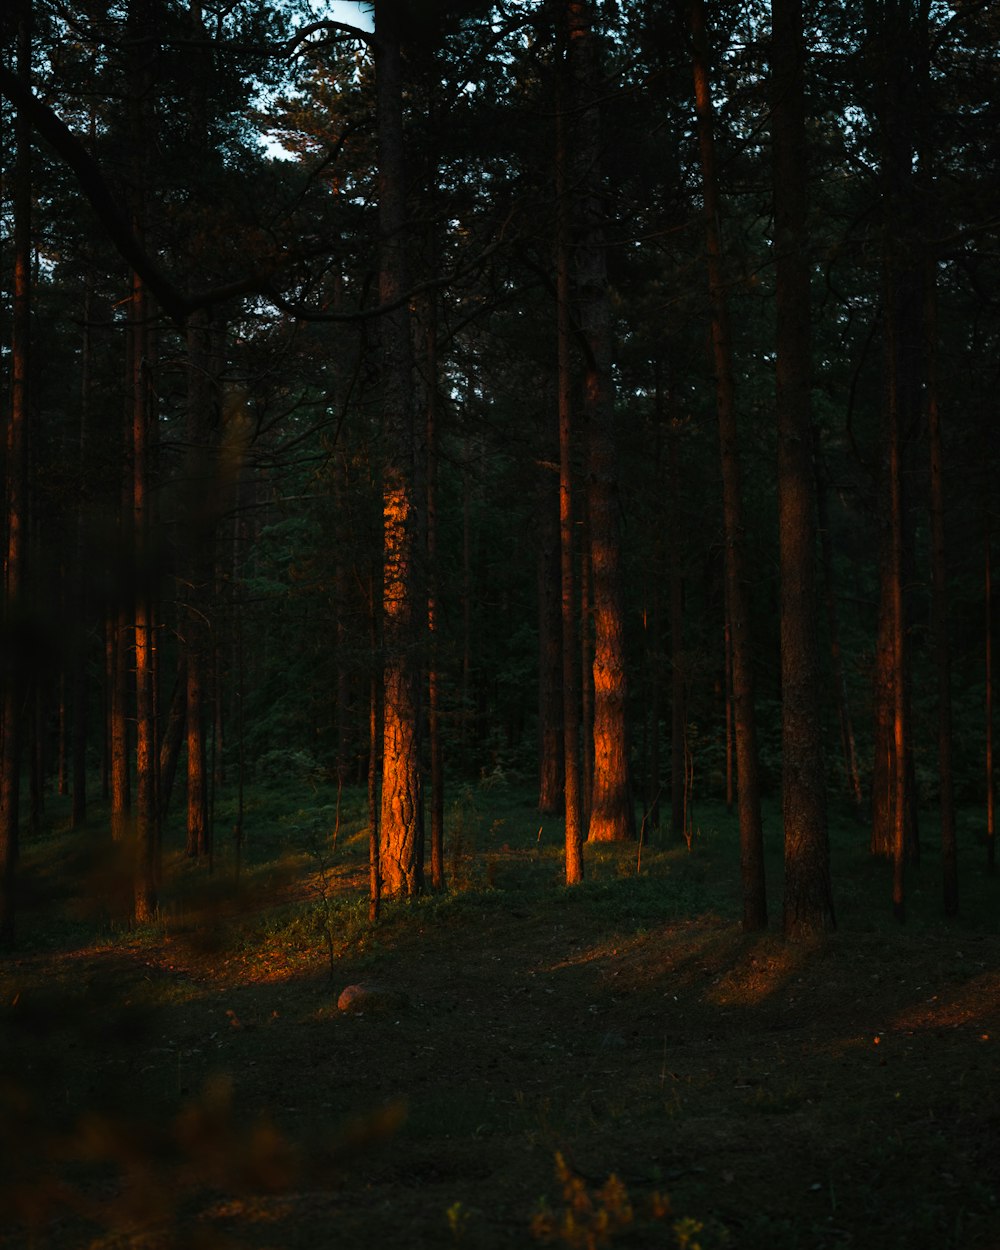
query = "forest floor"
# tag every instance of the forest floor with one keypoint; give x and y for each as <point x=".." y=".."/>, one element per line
<point x="194" y="1084"/>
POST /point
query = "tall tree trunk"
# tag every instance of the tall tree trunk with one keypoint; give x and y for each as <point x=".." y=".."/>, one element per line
<point x="78" y="729"/>
<point x="564" y="385"/>
<point x="748" y="790"/>
<point x="199" y="536"/>
<point x="147" y="842"/>
<point x="939" y="609"/>
<point x="611" y="807"/>
<point x="551" y="759"/>
<point x="435" y="744"/>
<point x="140" y="399"/>
<point x="991" y="839"/>
<point x="401" y="834"/>
<point x="847" y="740"/>
<point x="808" y="902"/>
<point x="16" y="466"/>
<point x="170" y="740"/>
<point x="678" y="659"/>
<point x="893" y="797"/>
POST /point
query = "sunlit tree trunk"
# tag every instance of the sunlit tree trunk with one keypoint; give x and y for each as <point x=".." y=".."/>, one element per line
<point x="808" y="902"/>
<point x="611" y="807"/>
<point x="748" y="787"/>
<point x="401" y="832"/>
<point x="564" y="386"/>
<point x="16" y="481"/>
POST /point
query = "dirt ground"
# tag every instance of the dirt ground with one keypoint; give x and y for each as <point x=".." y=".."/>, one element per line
<point x="199" y="1086"/>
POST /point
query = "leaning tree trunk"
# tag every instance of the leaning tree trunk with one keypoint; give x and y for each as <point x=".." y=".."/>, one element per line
<point x="748" y="788"/>
<point x="401" y="824"/>
<point x="808" y="903"/>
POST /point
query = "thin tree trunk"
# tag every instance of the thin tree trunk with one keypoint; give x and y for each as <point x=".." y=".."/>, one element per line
<point x="847" y="739"/>
<point x="551" y="758"/>
<point x="808" y="901"/>
<point x="748" y="791"/>
<point x="140" y="398"/>
<point x="939" y="609"/>
<point x="586" y="636"/>
<point x="374" y="761"/>
<point x="16" y="473"/>
<point x="170" y="741"/>
<point x="78" y="731"/>
<point x="147" y="867"/>
<point x="988" y="657"/>
<point x="435" y="744"/>
<point x="678" y="679"/>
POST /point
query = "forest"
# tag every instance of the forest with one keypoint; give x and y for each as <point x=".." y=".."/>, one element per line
<point x="498" y="516"/>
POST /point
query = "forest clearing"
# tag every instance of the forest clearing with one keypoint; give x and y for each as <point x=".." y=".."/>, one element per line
<point x="194" y="1084"/>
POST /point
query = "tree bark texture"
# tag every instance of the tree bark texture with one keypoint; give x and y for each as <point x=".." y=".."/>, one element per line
<point x="551" y="761"/>
<point x="748" y="785"/>
<point x="808" y="901"/>
<point x="401" y="824"/>
<point x="612" y="807"/>
<point x="564" y="387"/>
<point x="14" y="690"/>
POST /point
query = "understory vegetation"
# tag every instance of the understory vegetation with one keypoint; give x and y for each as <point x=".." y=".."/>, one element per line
<point x="615" y="1064"/>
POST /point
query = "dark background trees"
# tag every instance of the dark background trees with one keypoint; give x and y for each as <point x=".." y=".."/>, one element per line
<point x="487" y="226"/>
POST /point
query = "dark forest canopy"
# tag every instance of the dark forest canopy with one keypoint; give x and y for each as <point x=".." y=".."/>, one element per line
<point x="580" y="380"/>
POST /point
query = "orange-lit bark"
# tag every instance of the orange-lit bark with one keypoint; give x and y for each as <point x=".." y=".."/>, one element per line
<point x="748" y="786"/>
<point x="564" y="383"/>
<point x="611" y="805"/>
<point x="16" y="478"/>
<point x="808" y="902"/>
<point x="401" y="823"/>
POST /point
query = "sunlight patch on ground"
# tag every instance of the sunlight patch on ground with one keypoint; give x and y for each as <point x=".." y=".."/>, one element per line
<point x="975" y="1004"/>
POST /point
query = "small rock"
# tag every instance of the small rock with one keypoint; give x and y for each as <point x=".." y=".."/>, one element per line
<point x="373" y="998"/>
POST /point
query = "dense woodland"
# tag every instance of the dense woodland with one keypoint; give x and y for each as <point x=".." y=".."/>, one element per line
<point x="599" y="395"/>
